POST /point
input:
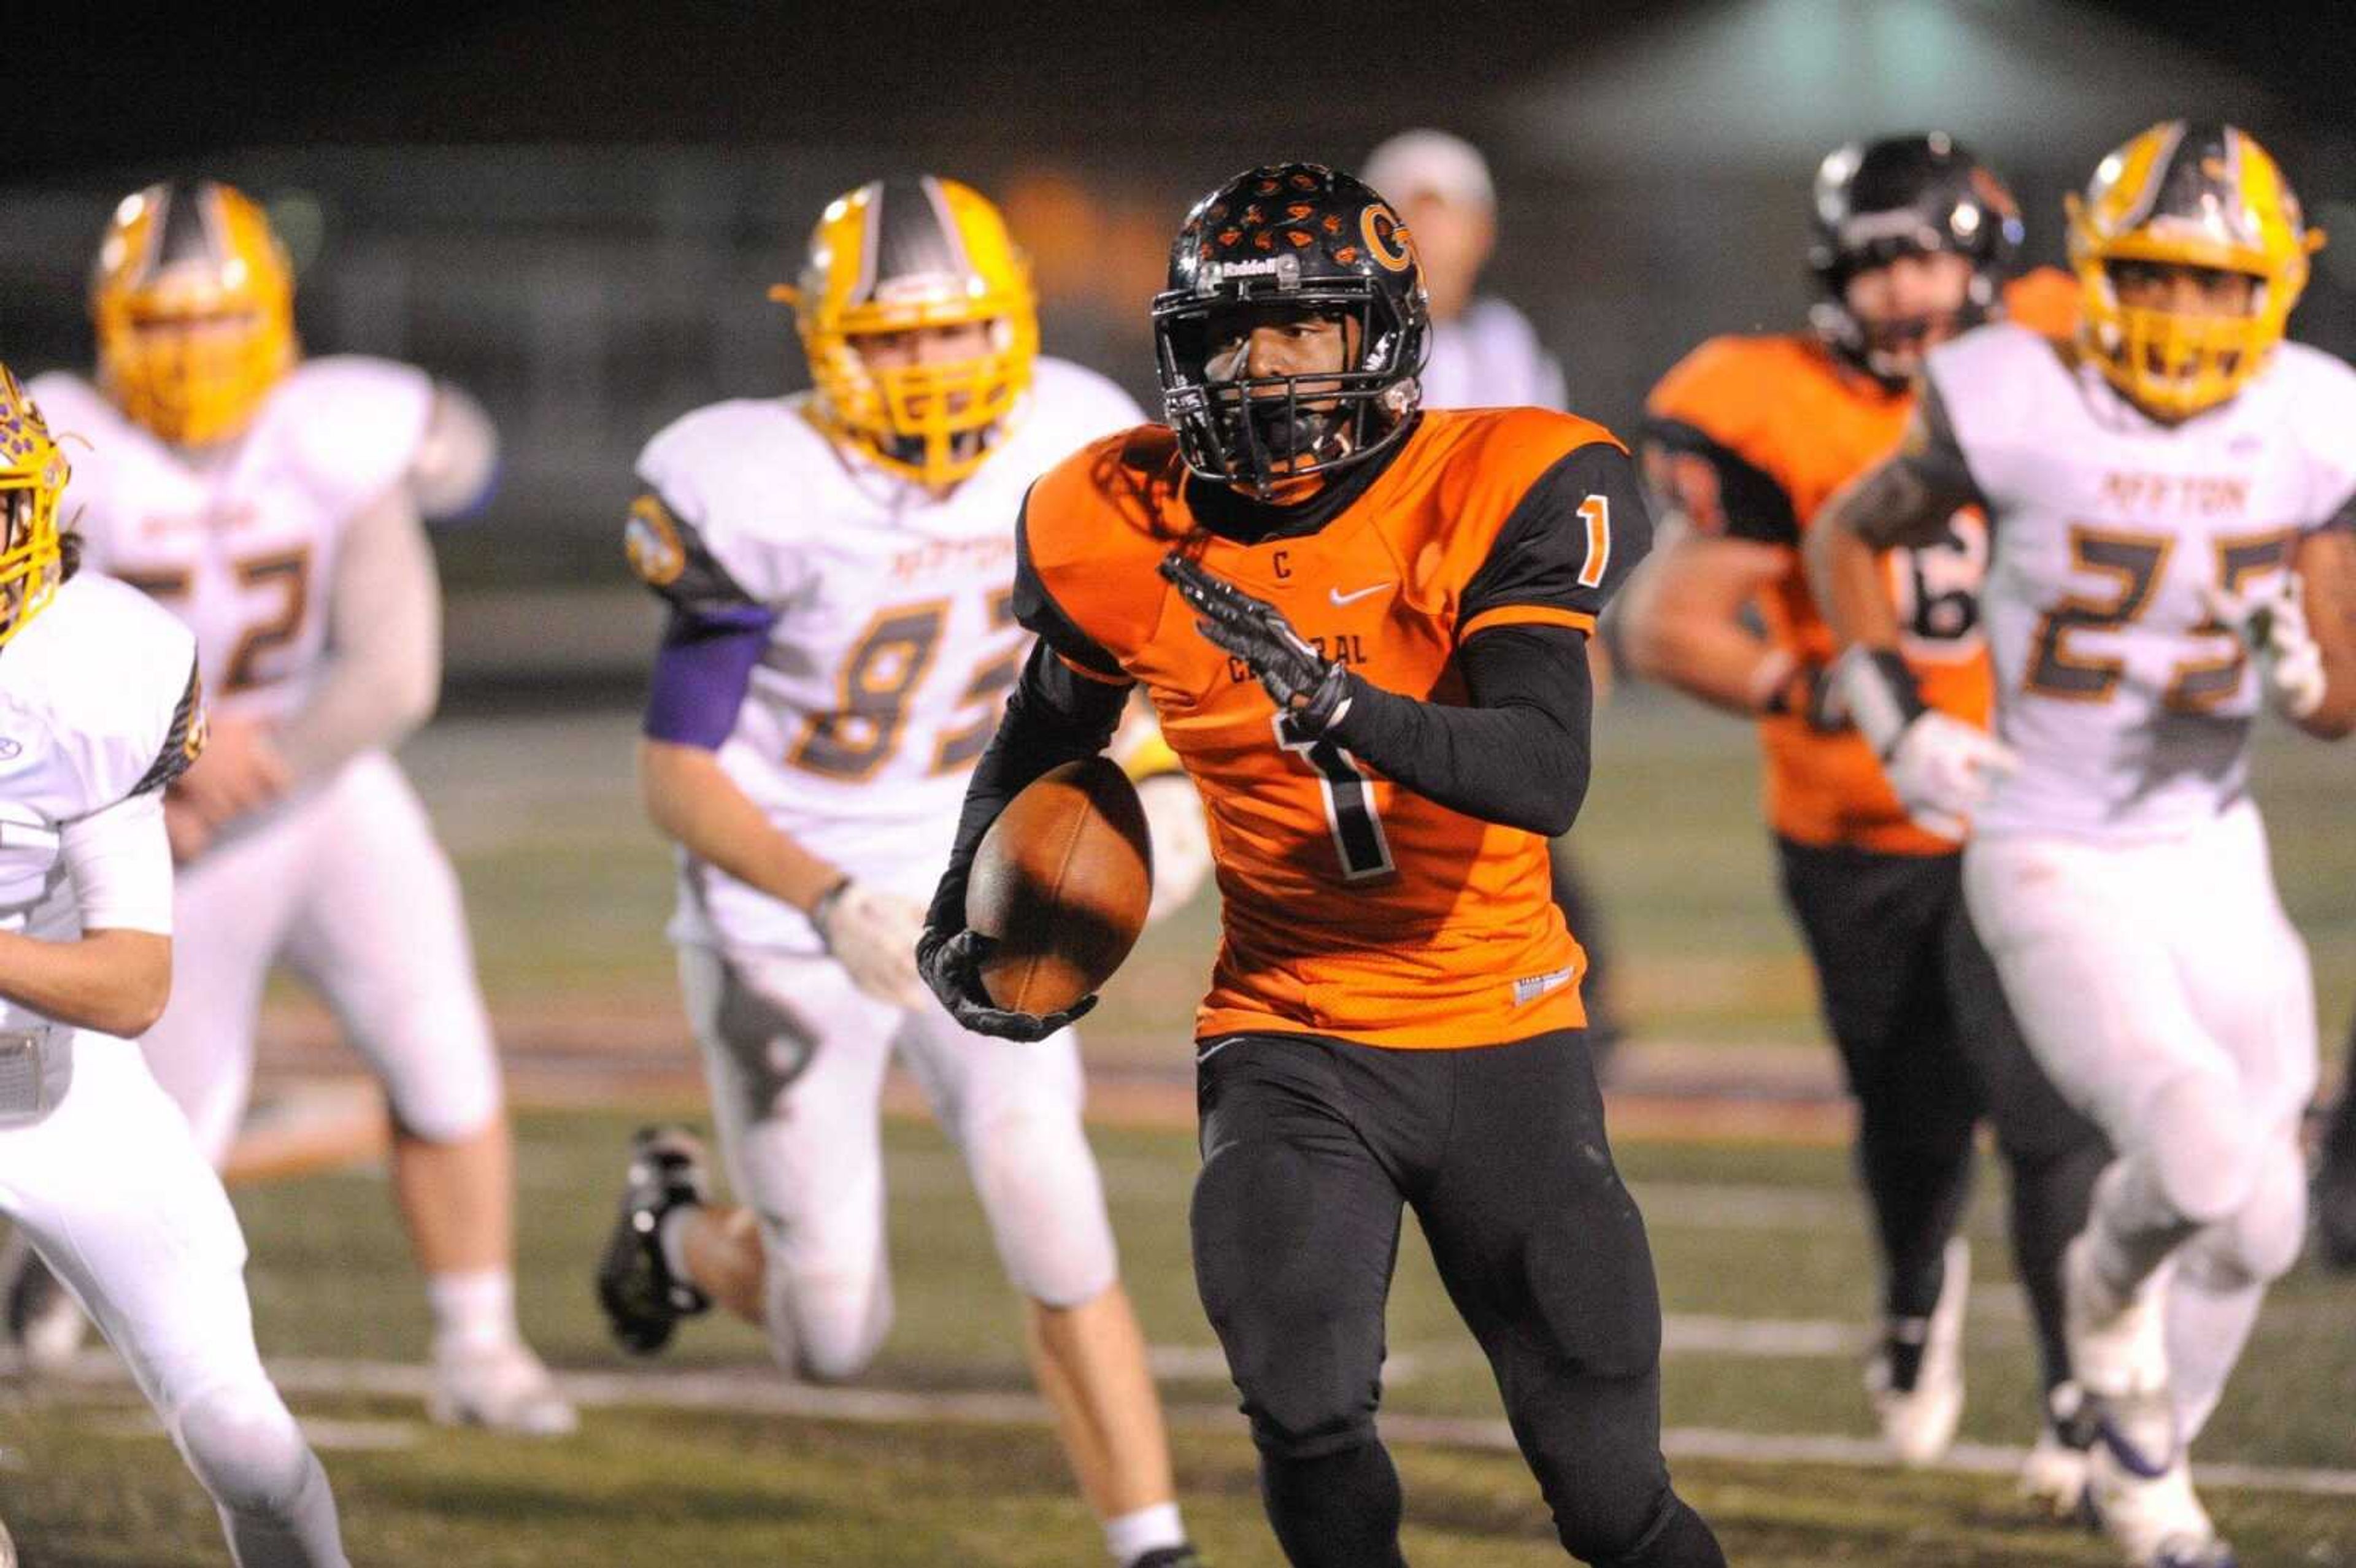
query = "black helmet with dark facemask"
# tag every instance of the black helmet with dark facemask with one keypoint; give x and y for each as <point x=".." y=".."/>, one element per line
<point x="1905" y="196"/>
<point x="1287" y="240"/>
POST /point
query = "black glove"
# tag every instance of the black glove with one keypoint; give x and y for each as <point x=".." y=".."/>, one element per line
<point x="950" y="963"/>
<point x="1809" y="692"/>
<point x="1313" y="689"/>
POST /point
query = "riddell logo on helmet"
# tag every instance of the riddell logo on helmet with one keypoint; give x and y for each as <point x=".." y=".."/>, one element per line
<point x="1285" y="270"/>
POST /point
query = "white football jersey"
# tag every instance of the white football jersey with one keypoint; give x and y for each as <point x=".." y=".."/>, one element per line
<point x="240" y="542"/>
<point x="894" y="642"/>
<point x="2130" y="705"/>
<point x="98" y="700"/>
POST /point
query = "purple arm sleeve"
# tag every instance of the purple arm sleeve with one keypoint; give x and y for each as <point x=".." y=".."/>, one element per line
<point x="701" y="673"/>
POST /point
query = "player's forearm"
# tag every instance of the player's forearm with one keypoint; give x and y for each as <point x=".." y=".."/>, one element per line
<point x="385" y="668"/>
<point x="1053" y="716"/>
<point x="1720" y="662"/>
<point x="115" y="982"/>
<point x="1518" y="756"/>
<point x="1681" y="622"/>
<point x="2326" y="564"/>
<point x="691" y="800"/>
<point x="1845" y="577"/>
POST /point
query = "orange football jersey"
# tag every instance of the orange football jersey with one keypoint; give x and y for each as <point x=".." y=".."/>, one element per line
<point x="1750" y="436"/>
<point x="1352" y="907"/>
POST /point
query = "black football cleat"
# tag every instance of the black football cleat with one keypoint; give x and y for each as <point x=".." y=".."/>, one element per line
<point x="643" y="1299"/>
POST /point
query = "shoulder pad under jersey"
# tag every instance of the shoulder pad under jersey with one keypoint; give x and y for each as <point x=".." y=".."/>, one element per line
<point x="113" y="679"/>
<point x="2319" y="402"/>
<point x="748" y="482"/>
<point x="1998" y="385"/>
<point x="351" y="425"/>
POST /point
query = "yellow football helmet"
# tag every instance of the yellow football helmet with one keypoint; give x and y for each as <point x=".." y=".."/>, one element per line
<point x="32" y="473"/>
<point x="894" y="256"/>
<point x="194" y="301"/>
<point x="2193" y="195"/>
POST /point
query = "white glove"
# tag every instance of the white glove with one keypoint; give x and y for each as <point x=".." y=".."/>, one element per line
<point x="2272" y="624"/>
<point x="1943" y="769"/>
<point x="872" y="934"/>
<point x="1182" y="843"/>
<point x="1940" y="768"/>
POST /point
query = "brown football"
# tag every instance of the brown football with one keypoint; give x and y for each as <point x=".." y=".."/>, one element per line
<point x="1061" y="880"/>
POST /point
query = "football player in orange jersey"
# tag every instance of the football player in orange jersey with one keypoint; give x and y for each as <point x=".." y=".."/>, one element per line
<point x="1746" y="438"/>
<point x="1363" y="628"/>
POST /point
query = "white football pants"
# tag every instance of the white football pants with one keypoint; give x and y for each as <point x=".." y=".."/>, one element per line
<point x="2166" y="994"/>
<point x="347" y="884"/>
<point x="112" y="1191"/>
<point x="796" y="1055"/>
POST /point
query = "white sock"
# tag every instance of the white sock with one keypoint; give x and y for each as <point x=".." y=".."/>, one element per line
<point x="1134" y="1534"/>
<point x="671" y="1236"/>
<point x="2208" y="1322"/>
<point x="472" y="1310"/>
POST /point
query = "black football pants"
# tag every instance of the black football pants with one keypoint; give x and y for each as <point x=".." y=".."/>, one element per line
<point x="1928" y="1044"/>
<point x="1310" y="1147"/>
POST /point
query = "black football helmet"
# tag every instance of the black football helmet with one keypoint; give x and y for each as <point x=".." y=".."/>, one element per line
<point x="1906" y="195"/>
<point x="1290" y="235"/>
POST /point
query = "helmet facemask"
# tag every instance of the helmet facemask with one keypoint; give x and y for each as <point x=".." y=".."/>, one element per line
<point x="1263" y="430"/>
<point x="2202" y="200"/>
<point x="1877" y="203"/>
<point x="937" y="421"/>
<point x="895" y="258"/>
<point x="32" y="474"/>
<point x="1890" y="348"/>
<point x="2181" y="361"/>
<point x="1287" y="242"/>
<point x="193" y="299"/>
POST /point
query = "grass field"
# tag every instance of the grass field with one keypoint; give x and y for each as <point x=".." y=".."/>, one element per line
<point x="1763" y="1268"/>
<point x="569" y="890"/>
<point x="707" y="1455"/>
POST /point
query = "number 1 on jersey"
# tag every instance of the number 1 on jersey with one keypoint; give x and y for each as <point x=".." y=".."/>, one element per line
<point x="1349" y="802"/>
<point x="1596" y="512"/>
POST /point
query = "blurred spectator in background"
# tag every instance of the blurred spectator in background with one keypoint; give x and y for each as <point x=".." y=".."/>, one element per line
<point x="1485" y="354"/>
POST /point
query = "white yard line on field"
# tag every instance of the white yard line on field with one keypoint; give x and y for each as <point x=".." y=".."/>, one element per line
<point x="731" y="1391"/>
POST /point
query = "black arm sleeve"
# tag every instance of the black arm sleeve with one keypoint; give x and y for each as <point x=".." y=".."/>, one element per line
<point x="1055" y="716"/>
<point x="1518" y="756"/>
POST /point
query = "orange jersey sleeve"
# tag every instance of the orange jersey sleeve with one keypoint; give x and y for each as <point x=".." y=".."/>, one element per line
<point x="1748" y="437"/>
<point x="1352" y="907"/>
<point x="2045" y="301"/>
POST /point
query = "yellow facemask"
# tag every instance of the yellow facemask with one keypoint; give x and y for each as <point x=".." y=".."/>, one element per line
<point x="32" y="473"/>
<point x="895" y="256"/>
<point x="193" y="301"/>
<point x="2187" y="195"/>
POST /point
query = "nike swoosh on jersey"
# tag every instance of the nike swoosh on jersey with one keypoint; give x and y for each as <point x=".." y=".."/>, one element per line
<point x="1339" y="597"/>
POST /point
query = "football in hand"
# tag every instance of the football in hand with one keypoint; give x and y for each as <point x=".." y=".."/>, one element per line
<point x="1061" y="881"/>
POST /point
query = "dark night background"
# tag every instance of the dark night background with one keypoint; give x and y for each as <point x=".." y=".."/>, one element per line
<point x="575" y="210"/>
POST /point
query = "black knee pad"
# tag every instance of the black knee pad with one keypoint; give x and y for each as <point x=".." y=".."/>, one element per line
<point x="1672" y="1537"/>
<point x="1307" y="1357"/>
